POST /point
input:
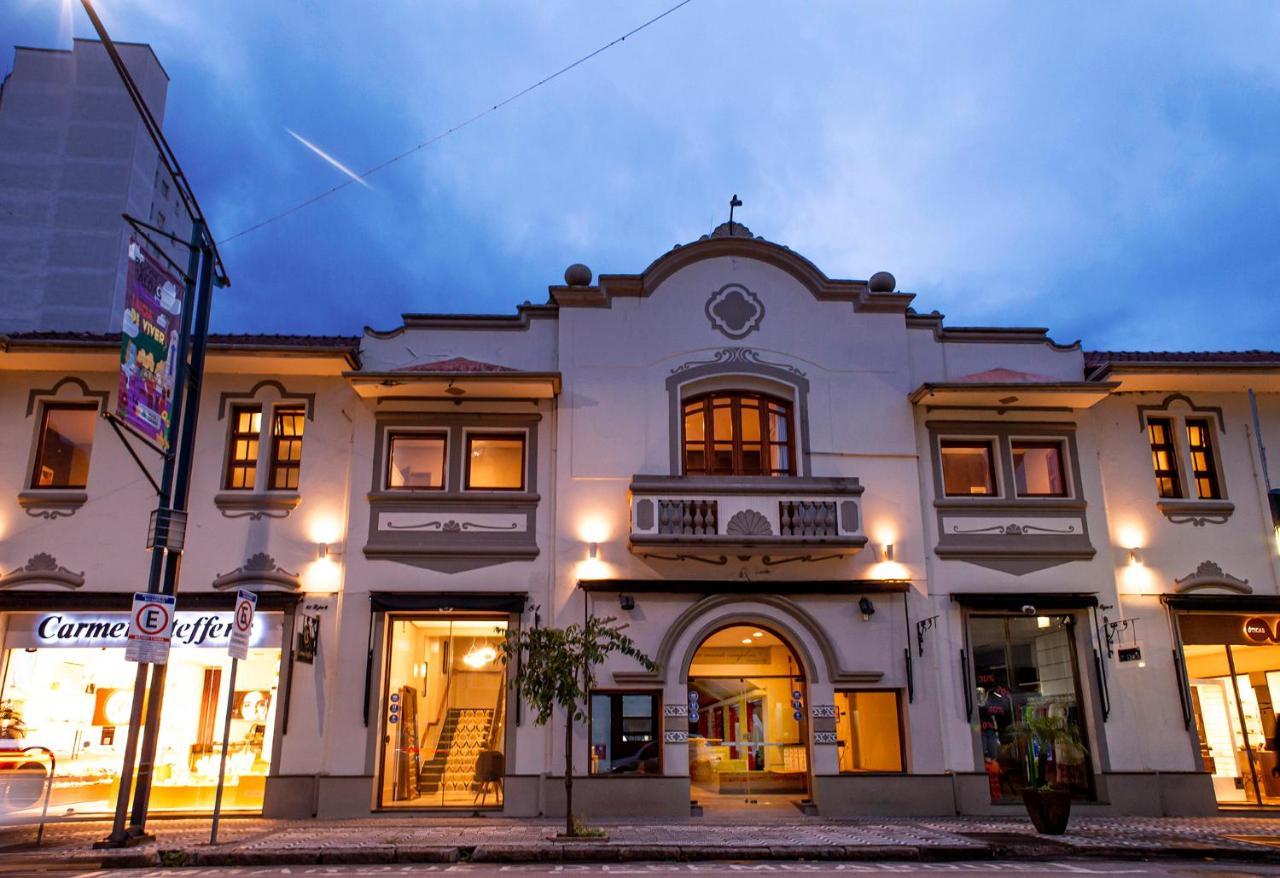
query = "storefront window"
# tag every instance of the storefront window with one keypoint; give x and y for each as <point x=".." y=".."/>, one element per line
<point x="747" y="718"/>
<point x="444" y="713"/>
<point x="1028" y="685"/>
<point x="869" y="731"/>
<point x="1233" y="670"/>
<point x="67" y="687"/>
<point x="624" y="733"/>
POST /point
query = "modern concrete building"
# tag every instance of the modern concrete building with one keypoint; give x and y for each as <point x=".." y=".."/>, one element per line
<point x="74" y="156"/>
<point x="867" y="550"/>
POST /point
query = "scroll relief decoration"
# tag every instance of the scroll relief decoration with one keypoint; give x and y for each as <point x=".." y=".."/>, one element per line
<point x="42" y="568"/>
<point x="1014" y="529"/>
<point x="735" y="356"/>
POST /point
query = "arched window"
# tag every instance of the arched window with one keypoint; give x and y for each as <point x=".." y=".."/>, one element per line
<point x="737" y="434"/>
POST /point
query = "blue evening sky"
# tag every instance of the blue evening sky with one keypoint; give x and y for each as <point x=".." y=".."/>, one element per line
<point x="1109" y="171"/>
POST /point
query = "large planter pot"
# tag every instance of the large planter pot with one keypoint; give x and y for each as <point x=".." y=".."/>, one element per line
<point x="1049" y="810"/>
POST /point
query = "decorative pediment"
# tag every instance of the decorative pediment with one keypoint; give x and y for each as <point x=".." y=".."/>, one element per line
<point x="43" y="569"/>
<point x="259" y="571"/>
<point x="1211" y="575"/>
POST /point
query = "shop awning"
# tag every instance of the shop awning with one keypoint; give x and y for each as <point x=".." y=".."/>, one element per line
<point x="1222" y="603"/>
<point x="489" y="602"/>
<point x="1015" y="602"/>
<point x="738" y="586"/>
<point x="36" y="601"/>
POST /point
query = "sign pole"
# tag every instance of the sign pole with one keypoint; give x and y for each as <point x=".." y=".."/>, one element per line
<point x="237" y="648"/>
<point x="222" y="764"/>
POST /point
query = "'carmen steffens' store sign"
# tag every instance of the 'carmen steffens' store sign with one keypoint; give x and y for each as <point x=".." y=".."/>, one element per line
<point x="81" y="630"/>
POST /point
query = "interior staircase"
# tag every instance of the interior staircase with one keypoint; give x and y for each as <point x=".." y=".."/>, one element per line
<point x="464" y="733"/>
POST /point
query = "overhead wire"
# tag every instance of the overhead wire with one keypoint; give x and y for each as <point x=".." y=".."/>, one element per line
<point x="436" y="138"/>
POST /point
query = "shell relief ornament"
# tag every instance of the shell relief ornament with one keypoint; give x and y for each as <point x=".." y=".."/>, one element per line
<point x="735" y="311"/>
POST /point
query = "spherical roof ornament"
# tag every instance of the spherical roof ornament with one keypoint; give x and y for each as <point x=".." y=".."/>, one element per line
<point x="882" y="282"/>
<point x="577" y="275"/>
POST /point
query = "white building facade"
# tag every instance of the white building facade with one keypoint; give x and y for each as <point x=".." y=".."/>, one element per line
<point x="866" y="550"/>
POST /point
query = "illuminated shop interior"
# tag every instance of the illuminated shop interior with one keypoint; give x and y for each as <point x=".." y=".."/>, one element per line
<point x="747" y="720"/>
<point x="1234" y="689"/>
<point x="444" y="714"/>
<point x="76" y="702"/>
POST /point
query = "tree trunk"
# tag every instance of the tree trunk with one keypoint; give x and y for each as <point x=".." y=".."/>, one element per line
<point x="568" y="773"/>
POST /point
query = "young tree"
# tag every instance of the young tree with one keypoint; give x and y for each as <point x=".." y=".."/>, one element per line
<point x="555" y="671"/>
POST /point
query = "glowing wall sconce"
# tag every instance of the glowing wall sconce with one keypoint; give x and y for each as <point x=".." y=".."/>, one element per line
<point x="884" y="551"/>
<point x="1135" y="555"/>
<point x="593" y="550"/>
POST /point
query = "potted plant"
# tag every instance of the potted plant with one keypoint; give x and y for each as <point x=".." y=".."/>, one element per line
<point x="554" y="668"/>
<point x="1041" y="740"/>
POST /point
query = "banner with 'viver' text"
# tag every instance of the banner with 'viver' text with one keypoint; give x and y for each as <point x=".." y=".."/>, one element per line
<point x="149" y="346"/>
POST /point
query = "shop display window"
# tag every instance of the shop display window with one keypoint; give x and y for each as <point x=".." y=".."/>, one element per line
<point x="624" y="733"/>
<point x="748" y="718"/>
<point x="67" y="687"/>
<point x="444" y="713"/>
<point x="1233" y="675"/>
<point x="1028" y="684"/>
<point x="869" y="731"/>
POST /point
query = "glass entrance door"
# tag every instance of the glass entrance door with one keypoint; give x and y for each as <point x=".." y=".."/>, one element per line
<point x="444" y="713"/>
<point x="747" y="721"/>
<point x="1233" y="674"/>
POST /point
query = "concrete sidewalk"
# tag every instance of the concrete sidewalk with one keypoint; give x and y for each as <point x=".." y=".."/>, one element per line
<point x="252" y="841"/>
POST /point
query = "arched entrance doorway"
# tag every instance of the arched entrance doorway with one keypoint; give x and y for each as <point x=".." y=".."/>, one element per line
<point x="748" y="721"/>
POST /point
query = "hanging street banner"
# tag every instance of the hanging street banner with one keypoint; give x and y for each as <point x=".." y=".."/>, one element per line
<point x="242" y="624"/>
<point x="150" y="345"/>
<point x="150" y="628"/>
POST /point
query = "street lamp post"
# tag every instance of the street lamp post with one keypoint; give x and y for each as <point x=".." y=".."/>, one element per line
<point x="204" y="263"/>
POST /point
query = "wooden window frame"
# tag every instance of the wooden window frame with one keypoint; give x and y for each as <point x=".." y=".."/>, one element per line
<point x="276" y="465"/>
<point x="735" y="397"/>
<point x="902" y="730"/>
<point x="392" y="436"/>
<point x="470" y="437"/>
<point x="1209" y="473"/>
<point x="992" y="449"/>
<point x="655" y="696"/>
<point x="45" y="408"/>
<point x="1168" y="447"/>
<point x="230" y="463"/>
<point x="1060" y="445"/>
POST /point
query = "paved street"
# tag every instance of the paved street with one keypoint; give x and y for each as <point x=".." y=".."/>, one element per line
<point x="404" y="846"/>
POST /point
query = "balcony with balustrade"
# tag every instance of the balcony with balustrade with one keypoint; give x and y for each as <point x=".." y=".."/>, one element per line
<point x="751" y="515"/>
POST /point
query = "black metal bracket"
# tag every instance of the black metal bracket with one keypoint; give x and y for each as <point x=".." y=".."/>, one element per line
<point x="128" y="446"/>
<point x="139" y="226"/>
<point x="1113" y="633"/>
<point x="911" y="683"/>
<point x="921" y="627"/>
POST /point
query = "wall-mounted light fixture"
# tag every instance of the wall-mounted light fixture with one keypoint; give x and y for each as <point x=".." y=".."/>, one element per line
<point x="884" y="551"/>
<point x="593" y="550"/>
<point x="1135" y="555"/>
<point x="866" y="608"/>
<point x="626" y="601"/>
<point x="327" y="550"/>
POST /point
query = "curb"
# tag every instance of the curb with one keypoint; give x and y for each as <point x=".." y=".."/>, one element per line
<point x="584" y="852"/>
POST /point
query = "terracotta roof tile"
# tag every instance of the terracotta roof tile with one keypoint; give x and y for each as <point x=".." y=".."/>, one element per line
<point x="220" y="339"/>
<point x="457" y="364"/>
<point x="1001" y="375"/>
<point x="1100" y="358"/>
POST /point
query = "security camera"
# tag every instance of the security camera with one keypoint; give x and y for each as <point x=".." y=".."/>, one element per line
<point x="1028" y="610"/>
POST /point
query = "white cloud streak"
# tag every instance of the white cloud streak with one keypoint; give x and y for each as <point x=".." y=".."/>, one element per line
<point x="328" y="158"/>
